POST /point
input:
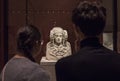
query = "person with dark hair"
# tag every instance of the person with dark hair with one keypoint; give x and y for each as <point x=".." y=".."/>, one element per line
<point x="22" y="66"/>
<point x="93" y="62"/>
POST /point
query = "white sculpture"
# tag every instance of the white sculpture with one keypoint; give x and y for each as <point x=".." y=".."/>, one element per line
<point x="58" y="46"/>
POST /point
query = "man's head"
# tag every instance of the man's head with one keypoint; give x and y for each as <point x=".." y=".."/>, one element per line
<point x="90" y="17"/>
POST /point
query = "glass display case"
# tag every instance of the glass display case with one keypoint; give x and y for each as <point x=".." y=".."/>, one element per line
<point x="118" y="31"/>
<point x="46" y="15"/>
<point x="108" y="40"/>
<point x="118" y="44"/>
<point x="111" y="35"/>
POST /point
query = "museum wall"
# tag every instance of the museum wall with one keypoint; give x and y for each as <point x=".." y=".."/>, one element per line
<point x="45" y="14"/>
<point x="118" y="3"/>
<point x="1" y="34"/>
<point x="118" y="26"/>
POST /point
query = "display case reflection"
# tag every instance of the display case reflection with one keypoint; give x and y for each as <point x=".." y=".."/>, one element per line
<point x="118" y="42"/>
<point x="108" y="40"/>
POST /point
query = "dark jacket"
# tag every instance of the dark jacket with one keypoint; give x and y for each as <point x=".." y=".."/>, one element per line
<point x="93" y="62"/>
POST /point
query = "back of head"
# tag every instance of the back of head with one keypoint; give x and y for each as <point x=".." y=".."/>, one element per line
<point x="26" y="39"/>
<point x="90" y="17"/>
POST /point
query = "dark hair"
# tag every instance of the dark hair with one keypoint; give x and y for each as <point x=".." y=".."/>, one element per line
<point x="90" y="17"/>
<point x="26" y="38"/>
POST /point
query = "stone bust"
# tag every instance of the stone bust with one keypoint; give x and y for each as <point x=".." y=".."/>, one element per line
<point x="58" y="46"/>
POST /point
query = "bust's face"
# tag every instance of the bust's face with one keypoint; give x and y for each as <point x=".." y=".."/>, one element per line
<point x="58" y="38"/>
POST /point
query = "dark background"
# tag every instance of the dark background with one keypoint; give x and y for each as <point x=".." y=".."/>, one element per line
<point x="45" y="14"/>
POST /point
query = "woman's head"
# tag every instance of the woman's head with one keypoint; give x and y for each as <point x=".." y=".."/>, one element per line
<point x="90" y="17"/>
<point x="28" y="41"/>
